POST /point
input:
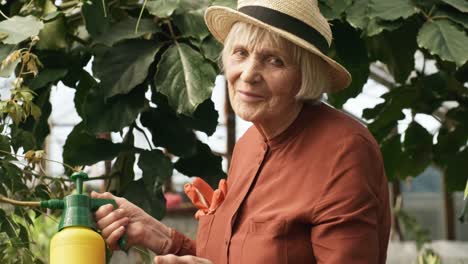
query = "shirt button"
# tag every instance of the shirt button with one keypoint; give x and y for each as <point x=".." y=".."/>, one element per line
<point x="226" y="242"/>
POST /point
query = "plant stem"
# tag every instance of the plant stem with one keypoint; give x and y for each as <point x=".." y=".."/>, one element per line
<point x="144" y="134"/>
<point x="139" y="17"/>
<point x="3" y="15"/>
<point x="17" y="155"/>
<point x="3" y="199"/>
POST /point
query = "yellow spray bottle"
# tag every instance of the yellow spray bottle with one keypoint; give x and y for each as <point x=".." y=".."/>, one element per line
<point x="77" y="241"/>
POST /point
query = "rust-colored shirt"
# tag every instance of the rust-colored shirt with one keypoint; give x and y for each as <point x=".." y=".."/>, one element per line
<point x="316" y="193"/>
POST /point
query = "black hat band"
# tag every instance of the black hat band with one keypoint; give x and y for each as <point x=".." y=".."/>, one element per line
<point x="287" y="23"/>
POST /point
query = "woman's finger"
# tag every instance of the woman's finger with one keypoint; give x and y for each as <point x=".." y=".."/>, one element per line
<point x="105" y="232"/>
<point x="114" y="237"/>
<point x="103" y="211"/>
<point x="110" y="218"/>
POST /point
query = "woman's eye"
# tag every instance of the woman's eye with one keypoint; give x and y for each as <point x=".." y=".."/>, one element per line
<point x="240" y="53"/>
<point x="276" y="61"/>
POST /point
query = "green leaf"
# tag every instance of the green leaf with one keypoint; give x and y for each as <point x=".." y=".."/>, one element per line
<point x="162" y="8"/>
<point x="120" y="70"/>
<point x="227" y="3"/>
<point x="456" y="175"/>
<point x="418" y="146"/>
<point x="123" y="166"/>
<point x="388" y="113"/>
<point x="391" y="10"/>
<point x="46" y="77"/>
<point x="204" y="119"/>
<point x="396" y="49"/>
<point x="21" y="138"/>
<point x="4" y="144"/>
<point x="443" y="38"/>
<point x="192" y="24"/>
<point x="457" y="17"/>
<point x="461" y="5"/>
<point x="357" y="62"/>
<point x="185" y="77"/>
<point x="211" y="48"/>
<point x="94" y="14"/>
<point x="393" y="157"/>
<point x="211" y="170"/>
<point x="169" y="131"/>
<point x="157" y="169"/>
<point x="357" y="16"/>
<point x="333" y="9"/>
<point x="114" y="114"/>
<point x="20" y="28"/>
<point x="125" y="29"/>
<point x="153" y="203"/>
<point x="83" y="148"/>
<point x="23" y="235"/>
<point x="54" y="34"/>
<point x="7" y="225"/>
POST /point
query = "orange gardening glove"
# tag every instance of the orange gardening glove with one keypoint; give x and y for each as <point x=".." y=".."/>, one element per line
<point x="203" y="197"/>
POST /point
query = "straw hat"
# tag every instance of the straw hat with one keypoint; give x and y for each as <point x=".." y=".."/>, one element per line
<point x="298" y="21"/>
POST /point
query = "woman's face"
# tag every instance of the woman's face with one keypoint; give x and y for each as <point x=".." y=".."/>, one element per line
<point x="262" y="82"/>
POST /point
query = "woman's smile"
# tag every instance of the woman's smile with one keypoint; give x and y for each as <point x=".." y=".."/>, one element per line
<point x="250" y="97"/>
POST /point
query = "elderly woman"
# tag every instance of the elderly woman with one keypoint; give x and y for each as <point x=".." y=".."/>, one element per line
<point x="307" y="182"/>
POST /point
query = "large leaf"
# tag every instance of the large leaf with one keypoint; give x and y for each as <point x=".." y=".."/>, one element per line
<point x="95" y="15"/>
<point x="356" y="15"/>
<point x="120" y="70"/>
<point x="388" y="113"/>
<point x="461" y="5"/>
<point x="47" y="76"/>
<point x="123" y="166"/>
<point x="54" y="34"/>
<point x="391" y="10"/>
<point x="83" y="148"/>
<point x="125" y="29"/>
<point x="453" y="15"/>
<point x="227" y="3"/>
<point x="211" y="170"/>
<point x="357" y="62"/>
<point x="456" y="176"/>
<point x="204" y="119"/>
<point x="418" y="147"/>
<point x="153" y="203"/>
<point x="192" y="24"/>
<point x="162" y="8"/>
<point x="396" y="49"/>
<point x="114" y="114"/>
<point x="211" y="48"/>
<point x="157" y="169"/>
<point x="185" y="78"/>
<point x="169" y="131"/>
<point x="20" y="28"/>
<point x="333" y="9"/>
<point x="393" y="158"/>
<point x="444" y="38"/>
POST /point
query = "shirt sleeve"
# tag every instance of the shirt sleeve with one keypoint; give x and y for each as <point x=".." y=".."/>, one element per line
<point x="181" y="245"/>
<point x="345" y="220"/>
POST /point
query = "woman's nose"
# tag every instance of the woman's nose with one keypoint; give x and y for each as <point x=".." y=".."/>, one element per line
<point x="251" y="72"/>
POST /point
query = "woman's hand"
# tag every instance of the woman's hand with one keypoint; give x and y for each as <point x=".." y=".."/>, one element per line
<point x="140" y="227"/>
<point x="173" y="259"/>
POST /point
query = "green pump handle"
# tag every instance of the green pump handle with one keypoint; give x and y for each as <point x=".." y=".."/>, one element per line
<point x="96" y="203"/>
<point x="77" y="208"/>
